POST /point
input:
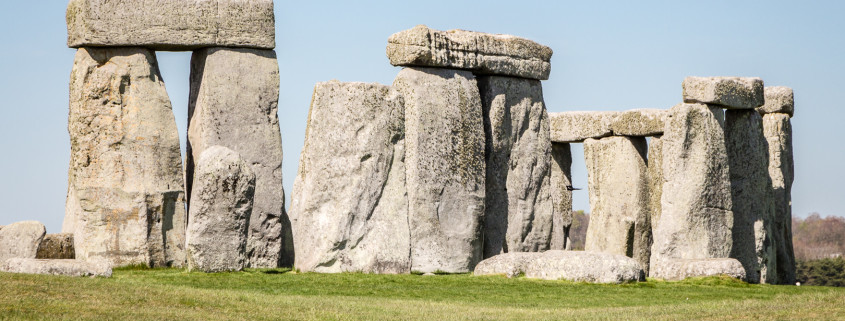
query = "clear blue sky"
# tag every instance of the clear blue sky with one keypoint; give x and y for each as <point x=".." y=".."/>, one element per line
<point x="609" y="55"/>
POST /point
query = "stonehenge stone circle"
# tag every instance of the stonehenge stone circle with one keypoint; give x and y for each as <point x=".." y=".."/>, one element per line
<point x="581" y="266"/>
<point x="126" y="200"/>
<point x="778" y="132"/>
<point x="577" y="126"/>
<point x="727" y="92"/>
<point x="518" y="202"/>
<point x="221" y="207"/>
<point x="90" y="268"/>
<point x="171" y="24"/>
<point x="21" y="240"/>
<point x="676" y="270"/>
<point x="445" y="170"/>
<point x="350" y="198"/>
<point x="56" y="246"/>
<point x="561" y="182"/>
<point x="639" y="122"/>
<point x="234" y="103"/>
<point x="481" y="53"/>
<point x="779" y="100"/>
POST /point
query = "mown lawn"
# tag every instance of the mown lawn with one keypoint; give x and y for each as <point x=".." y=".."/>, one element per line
<point x="170" y="294"/>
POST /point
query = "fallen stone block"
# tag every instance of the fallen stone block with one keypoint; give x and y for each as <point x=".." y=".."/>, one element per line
<point x="481" y="53"/>
<point x="57" y="247"/>
<point x="778" y="100"/>
<point x="510" y="264"/>
<point x="57" y="267"/>
<point x="561" y="183"/>
<point x="727" y="92"/>
<point x="640" y="122"/>
<point x="676" y="270"/>
<point x="519" y="211"/>
<point x="778" y="132"/>
<point x="171" y="24"/>
<point x="577" y="126"/>
<point x="350" y="201"/>
<point x="21" y="240"/>
<point x="578" y="266"/>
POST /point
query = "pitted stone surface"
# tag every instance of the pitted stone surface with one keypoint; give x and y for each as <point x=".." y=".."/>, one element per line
<point x="577" y="126"/>
<point x="481" y="53"/>
<point x="234" y="103"/>
<point x="126" y="200"/>
<point x="676" y="270"/>
<point x="221" y="206"/>
<point x="508" y="264"/>
<point x="444" y="159"/>
<point x="519" y="210"/>
<point x="778" y="132"/>
<point x="57" y="267"/>
<point x="639" y="122"/>
<point x="350" y="202"/>
<point x="778" y="100"/>
<point x="727" y="92"/>
<point x="171" y="24"/>
<point x="56" y="246"/>
<point x="561" y="196"/>
<point x="21" y="240"/>
<point x="695" y="220"/>
<point x="579" y="266"/>
<point x="655" y="177"/>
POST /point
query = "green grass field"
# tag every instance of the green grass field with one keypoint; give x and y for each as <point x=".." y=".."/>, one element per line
<point x="170" y="294"/>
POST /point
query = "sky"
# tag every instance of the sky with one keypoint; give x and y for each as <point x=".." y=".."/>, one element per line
<point x="608" y="55"/>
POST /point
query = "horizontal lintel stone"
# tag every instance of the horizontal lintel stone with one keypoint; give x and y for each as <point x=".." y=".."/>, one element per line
<point x="778" y="100"/>
<point x="727" y="92"/>
<point x="577" y="126"/>
<point x="640" y="122"/>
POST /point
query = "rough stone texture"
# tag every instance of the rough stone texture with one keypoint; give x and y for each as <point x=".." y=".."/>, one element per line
<point x="778" y="100"/>
<point x="639" y="122"/>
<point x="727" y="92"/>
<point x="748" y="159"/>
<point x="350" y="203"/>
<point x="57" y="247"/>
<point x="21" y="240"/>
<point x="655" y="177"/>
<point x="561" y="196"/>
<point x="57" y="267"/>
<point x="221" y="206"/>
<point x="778" y="132"/>
<point x="171" y="24"/>
<point x="234" y="103"/>
<point x="579" y="266"/>
<point x="126" y="198"/>
<point x="577" y="126"/>
<point x="676" y="270"/>
<point x="617" y="177"/>
<point x="695" y="220"/>
<point x="508" y="264"/>
<point x="518" y="205"/>
<point x="444" y="159"/>
<point x="482" y="53"/>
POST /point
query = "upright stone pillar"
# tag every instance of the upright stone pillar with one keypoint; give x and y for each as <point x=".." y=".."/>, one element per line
<point x="126" y="200"/>
<point x="234" y="103"/>
<point x="518" y="205"/>
<point x="561" y="196"/>
<point x="445" y="171"/>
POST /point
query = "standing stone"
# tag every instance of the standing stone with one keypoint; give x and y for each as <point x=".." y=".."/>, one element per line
<point x="126" y="200"/>
<point x="350" y="203"/>
<point x="778" y="132"/>
<point x="561" y="196"/>
<point x="444" y="144"/>
<point x="727" y="92"/>
<point x="655" y="178"/>
<point x="748" y="159"/>
<point x="234" y="103"/>
<point x="618" y="182"/>
<point x="21" y="240"/>
<point x="221" y="205"/>
<point x="695" y="220"/>
<point x="56" y="246"/>
<point x="518" y="204"/>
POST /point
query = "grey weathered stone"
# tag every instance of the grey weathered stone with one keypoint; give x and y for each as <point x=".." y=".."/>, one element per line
<point x="676" y="270"/>
<point x="171" y="24"/>
<point x="508" y="264"/>
<point x="695" y="220"/>
<point x="778" y="132"/>
<point x="125" y="183"/>
<point x="482" y="53"/>
<point x="21" y="240"/>
<point x="56" y="246"/>
<point x="57" y="267"/>
<point x="444" y="159"/>
<point x="655" y="177"/>
<point x="350" y="203"/>
<point x="518" y="203"/>
<point x="639" y="122"/>
<point x="234" y="103"/>
<point x="221" y="206"/>
<point x="748" y="159"/>
<point x="561" y="183"/>
<point x="577" y="126"/>
<point x="579" y="266"/>
<point x="727" y="92"/>
<point x="618" y="182"/>
<point x="778" y="100"/>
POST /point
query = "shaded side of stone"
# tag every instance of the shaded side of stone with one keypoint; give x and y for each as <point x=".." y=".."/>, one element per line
<point x="56" y="246"/>
<point x="561" y="184"/>
<point x="778" y="132"/>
